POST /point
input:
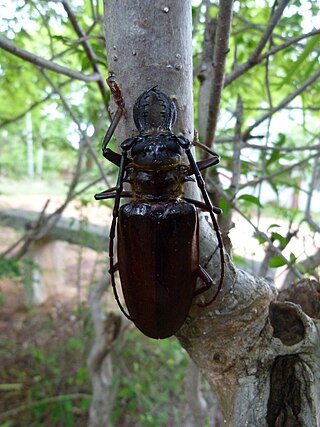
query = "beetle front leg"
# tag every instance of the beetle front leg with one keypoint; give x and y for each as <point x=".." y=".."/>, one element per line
<point x="111" y="194"/>
<point x="202" y="164"/>
<point x="119" y="100"/>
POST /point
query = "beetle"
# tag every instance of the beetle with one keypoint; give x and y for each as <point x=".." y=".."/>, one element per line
<point x="158" y="230"/>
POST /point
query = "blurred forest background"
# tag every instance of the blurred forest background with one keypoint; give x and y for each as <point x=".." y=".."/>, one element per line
<point x="53" y="236"/>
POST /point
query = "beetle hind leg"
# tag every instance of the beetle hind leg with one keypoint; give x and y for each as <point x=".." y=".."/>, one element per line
<point x="208" y="282"/>
<point x="206" y="278"/>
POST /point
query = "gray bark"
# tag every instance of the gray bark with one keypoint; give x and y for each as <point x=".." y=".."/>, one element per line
<point x="150" y="43"/>
<point x="107" y="330"/>
<point x="252" y="349"/>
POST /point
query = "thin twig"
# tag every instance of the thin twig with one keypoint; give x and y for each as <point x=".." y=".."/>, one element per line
<point x="256" y="229"/>
<point x="274" y="19"/>
<point x="277" y="173"/>
<point x="88" y="49"/>
<point x="267" y="84"/>
<point x="32" y="106"/>
<point x="314" y="178"/>
<point x="46" y="401"/>
<point x="44" y="224"/>
<point x="44" y="63"/>
<point x="45" y="21"/>
<point x="236" y="162"/>
<point x="247" y="133"/>
<point x="282" y="149"/>
<point x="77" y="122"/>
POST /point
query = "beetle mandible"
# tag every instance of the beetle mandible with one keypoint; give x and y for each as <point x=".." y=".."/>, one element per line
<point x="158" y="231"/>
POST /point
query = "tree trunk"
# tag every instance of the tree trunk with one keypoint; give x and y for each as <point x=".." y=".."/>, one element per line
<point x="258" y="354"/>
<point x="148" y="44"/>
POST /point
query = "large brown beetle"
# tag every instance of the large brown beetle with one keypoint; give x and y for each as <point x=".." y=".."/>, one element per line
<point x="158" y="231"/>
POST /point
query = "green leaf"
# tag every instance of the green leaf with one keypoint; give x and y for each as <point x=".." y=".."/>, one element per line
<point x="293" y="258"/>
<point x="74" y="344"/>
<point x="280" y="238"/>
<point x="276" y="155"/>
<point x="261" y="237"/>
<point x="311" y="44"/>
<point x="224" y="205"/>
<point x="85" y="64"/>
<point x="250" y="199"/>
<point x="9" y="267"/>
<point x="273" y="226"/>
<point x="281" y="140"/>
<point x="277" y="261"/>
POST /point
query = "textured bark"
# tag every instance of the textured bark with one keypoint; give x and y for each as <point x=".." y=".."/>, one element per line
<point x="242" y="340"/>
<point x="148" y="44"/>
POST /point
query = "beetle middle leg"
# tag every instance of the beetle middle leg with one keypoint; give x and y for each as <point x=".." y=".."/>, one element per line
<point x="117" y="196"/>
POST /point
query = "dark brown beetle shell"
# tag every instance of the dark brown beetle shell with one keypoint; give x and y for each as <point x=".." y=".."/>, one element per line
<point x="158" y="292"/>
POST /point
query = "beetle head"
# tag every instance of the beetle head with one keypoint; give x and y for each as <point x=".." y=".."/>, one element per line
<point x="154" y="110"/>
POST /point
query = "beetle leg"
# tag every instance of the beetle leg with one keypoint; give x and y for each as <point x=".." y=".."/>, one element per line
<point x="197" y="143"/>
<point x="115" y="268"/>
<point x="204" y="164"/>
<point x="210" y="209"/>
<point x="206" y="278"/>
<point x="115" y="214"/>
<point x="111" y="194"/>
<point x="202" y="205"/>
<point x="118" y="98"/>
<point x="114" y="157"/>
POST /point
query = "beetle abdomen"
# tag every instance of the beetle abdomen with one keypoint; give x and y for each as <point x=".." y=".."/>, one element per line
<point x="158" y="293"/>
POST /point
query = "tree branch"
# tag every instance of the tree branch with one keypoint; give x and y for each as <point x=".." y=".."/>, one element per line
<point x="315" y="177"/>
<point x="221" y="50"/>
<point x="33" y="106"/>
<point x="275" y="17"/>
<point x="83" y="134"/>
<point x="315" y="147"/>
<point x="88" y="49"/>
<point x="236" y="163"/>
<point x="278" y="172"/>
<point x="243" y="68"/>
<point x="247" y="133"/>
<point x="44" y="63"/>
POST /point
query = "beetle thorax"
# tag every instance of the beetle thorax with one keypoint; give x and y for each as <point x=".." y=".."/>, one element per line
<point x="162" y="184"/>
